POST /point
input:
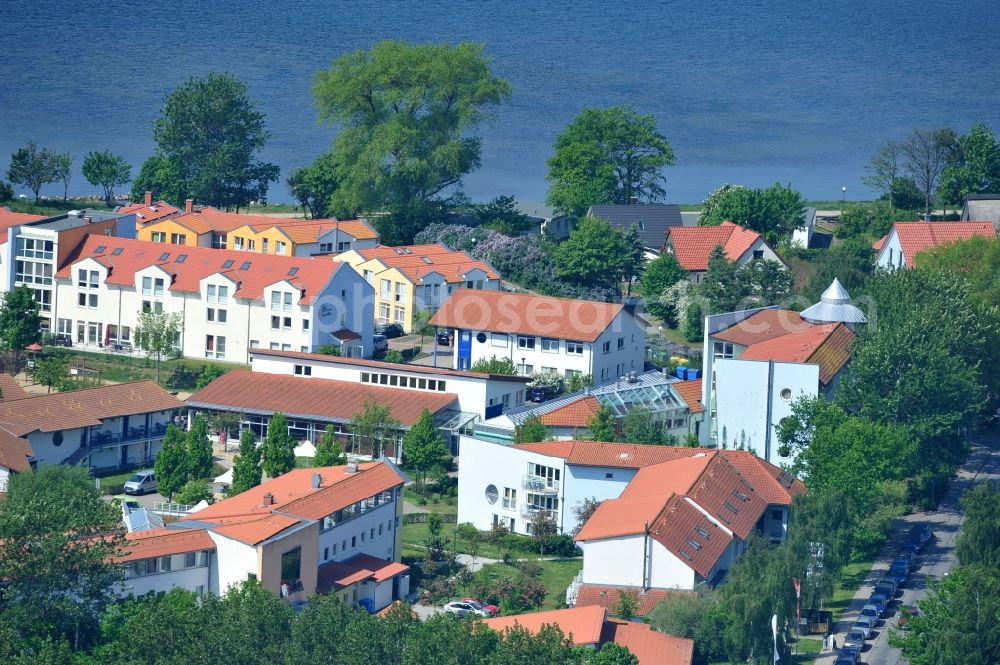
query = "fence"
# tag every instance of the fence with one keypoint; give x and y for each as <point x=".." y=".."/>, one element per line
<point x="175" y="509"/>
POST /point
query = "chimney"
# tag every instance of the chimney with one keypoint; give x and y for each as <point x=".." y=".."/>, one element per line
<point x="149" y="199"/>
<point x="268" y="499"/>
<point x="352" y="465"/>
<point x="86" y="220"/>
<point x="316" y="480"/>
<point x="633" y="200"/>
<point x="189" y="206"/>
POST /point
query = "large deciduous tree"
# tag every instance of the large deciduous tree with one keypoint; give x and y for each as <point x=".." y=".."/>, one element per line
<point x="156" y="334"/>
<point x="883" y="169"/>
<point x="20" y="322"/>
<point x="211" y="132"/>
<point x="58" y="540"/>
<point x="660" y="275"/>
<point x="602" y="426"/>
<point x="424" y="448"/>
<point x="925" y="155"/>
<point x="199" y="450"/>
<point x="597" y="254"/>
<point x="171" y="464"/>
<point x="608" y="156"/>
<point x="161" y="176"/>
<point x="979" y="541"/>
<point x="531" y="430"/>
<point x="107" y="171"/>
<point x="373" y="426"/>
<point x="974" y="166"/>
<point x="313" y="185"/>
<point x="774" y="212"/>
<point x="246" y="464"/>
<point x="279" y="447"/>
<point x="407" y="116"/>
<point x="33" y="167"/>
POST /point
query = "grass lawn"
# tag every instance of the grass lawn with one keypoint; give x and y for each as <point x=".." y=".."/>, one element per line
<point x="123" y="367"/>
<point x="52" y="207"/>
<point x="434" y="504"/>
<point x="556" y="576"/>
<point x="850" y="579"/>
<point x="414" y="535"/>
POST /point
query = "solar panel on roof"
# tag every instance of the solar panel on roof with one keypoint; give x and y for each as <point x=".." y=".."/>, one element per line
<point x="228" y="264"/>
<point x="116" y="251"/>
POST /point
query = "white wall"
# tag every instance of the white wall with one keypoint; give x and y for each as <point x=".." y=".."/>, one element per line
<point x="619" y="561"/>
<point x="746" y="389"/>
<point x="236" y="561"/>
<point x="184" y="578"/>
<point x="891" y="254"/>
<point x="4" y="475"/>
<point x="759" y="246"/>
<point x="482" y="464"/>
<point x="380" y="546"/>
<point x="584" y="482"/>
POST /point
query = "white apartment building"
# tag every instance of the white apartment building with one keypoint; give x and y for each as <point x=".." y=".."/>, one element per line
<point x="229" y="302"/>
<point x="541" y="333"/>
<point x="321" y="530"/>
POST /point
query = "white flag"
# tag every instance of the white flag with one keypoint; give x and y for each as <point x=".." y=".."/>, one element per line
<point x="774" y="632"/>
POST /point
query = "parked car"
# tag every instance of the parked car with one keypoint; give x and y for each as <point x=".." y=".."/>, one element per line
<point x="879" y="601"/>
<point x="852" y="652"/>
<point x="899" y="571"/>
<point x="62" y="339"/>
<point x="539" y="395"/>
<point x="381" y="343"/>
<point x="844" y="659"/>
<point x="923" y="533"/>
<point x="141" y="482"/>
<point x="887" y="587"/>
<point x="872" y="612"/>
<point x="444" y="338"/>
<point x="855" y="638"/>
<point x="865" y="624"/>
<point x="492" y="609"/>
<point x="390" y="330"/>
<point x="460" y="609"/>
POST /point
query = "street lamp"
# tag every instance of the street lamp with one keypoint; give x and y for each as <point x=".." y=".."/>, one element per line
<point x="843" y="194"/>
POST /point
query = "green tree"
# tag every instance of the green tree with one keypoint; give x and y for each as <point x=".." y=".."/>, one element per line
<point x="957" y="621"/>
<point x="501" y="214"/>
<point x="721" y="285"/>
<point x="602" y="426"/>
<point x="612" y="654"/>
<point x="53" y="371"/>
<point x="56" y="554"/>
<point x="329" y="350"/>
<point x="374" y="426"/>
<point x="695" y="617"/>
<point x="199" y="449"/>
<point x="161" y="176"/>
<point x="20" y="323"/>
<point x="157" y="333"/>
<point x="278" y="452"/>
<point x="531" y="430"/>
<point x="883" y="169"/>
<point x="583" y="510"/>
<point x="662" y="273"/>
<point x="472" y="536"/>
<point x="253" y="625"/>
<point x="33" y="167"/>
<point x="328" y="452"/>
<point x="424" y="448"/>
<point x="627" y="604"/>
<point x="194" y="491"/>
<point x="210" y="132"/>
<point x="774" y="212"/>
<point x="434" y="543"/>
<point x="641" y="426"/>
<point x="407" y="116"/>
<point x="6" y="191"/>
<point x="64" y="171"/>
<point x="977" y="260"/>
<point x="313" y="186"/>
<point x="595" y="254"/>
<point x="108" y="171"/>
<point x="208" y="374"/>
<point x="607" y="156"/>
<point x="246" y="464"/>
<point x="906" y="196"/>
<point x="868" y="220"/>
<point x="394" y="356"/>
<point x="694" y="323"/>
<point x="925" y="154"/>
<point x="495" y="365"/>
<point x="979" y="540"/>
<point x="974" y="166"/>
<point x="851" y="261"/>
<point x="171" y="464"/>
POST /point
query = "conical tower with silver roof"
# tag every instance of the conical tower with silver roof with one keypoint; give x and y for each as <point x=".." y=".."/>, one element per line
<point x="834" y="306"/>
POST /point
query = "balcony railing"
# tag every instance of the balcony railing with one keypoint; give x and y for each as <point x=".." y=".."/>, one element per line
<point x="539" y="484"/>
<point x="529" y="511"/>
<point x="104" y="439"/>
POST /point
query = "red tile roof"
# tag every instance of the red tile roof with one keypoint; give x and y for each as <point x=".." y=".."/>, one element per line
<point x="302" y="231"/>
<point x="418" y="261"/>
<point x="14" y="452"/>
<point x="680" y="524"/>
<point x="313" y="397"/>
<point x="9" y="219"/>
<point x="666" y="478"/>
<point x="254" y="530"/>
<point x="776" y="486"/>
<point x="599" y="453"/>
<point x="692" y="245"/>
<point x="164" y="542"/>
<point x="339" y="574"/>
<point x="84" y="408"/>
<point x="690" y="392"/>
<point x="10" y="388"/>
<point x="398" y="367"/>
<point x="310" y="275"/>
<point x="763" y="326"/>
<point x="574" y="414"/>
<point x="718" y="491"/>
<point x="526" y="314"/>
<point x="880" y="243"/>
<point x="147" y="214"/>
<point x="581" y="624"/>
<point x="621" y="517"/>
<point x="607" y="595"/>
<point x="650" y="647"/>
<point x="827" y="345"/>
<point x="915" y="237"/>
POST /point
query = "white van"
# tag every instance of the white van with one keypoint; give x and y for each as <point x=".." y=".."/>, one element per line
<point x="141" y="483"/>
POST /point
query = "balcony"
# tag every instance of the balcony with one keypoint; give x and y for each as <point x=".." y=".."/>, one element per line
<point x="104" y="439"/>
<point x="539" y="484"/>
<point x="530" y="511"/>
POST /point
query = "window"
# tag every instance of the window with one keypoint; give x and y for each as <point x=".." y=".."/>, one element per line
<point x="35" y="248"/>
<point x="291" y="563"/>
<point x="215" y="346"/>
<point x="722" y="350"/>
<point x="275" y="322"/>
<point x="369" y="276"/>
<point x="238" y="243"/>
<point x="400" y="292"/>
<point x="325" y="247"/>
<point x="786" y="394"/>
<point x="178" y="239"/>
<point x="287" y="301"/>
<point x="88" y="300"/>
<point x="305" y="325"/>
<point x="147" y="285"/>
<point x="525" y="369"/>
<point x="383" y="313"/>
<point x="550" y="345"/>
<point x="499" y="339"/>
<point x="509" y="498"/>
<point x="343" y="245"/>
<point x="279" y="247"/>
<point x="525" y="342"/>
<point x="216" y="315"/>
<point x="777" y="515"/>
<point x="210" y="293"/>
<point x="223" y="295"/>
<point x="609" y="476"/>
<point x="607" y="347"/>
<point x="574" y="348"/>
<point x="758" y="253"/>
<point x="286" y="323"/>
<point x="88" y="279"/>
<point x="386" y="289"/>
<point x="158" y="286"/>
<point x="158" y="236"/>
<point x="303" y="370"/>
<point x="31" y="272"/>
<point x="64" y="326"/>
<point x="275" y="300"/>
<point x="263" y="245"/>
<point x="189" y="560"/>
<point x="621" y="343"/>
<point x="399" y="314"/>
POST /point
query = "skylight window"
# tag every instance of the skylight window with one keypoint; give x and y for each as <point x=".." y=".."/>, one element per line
<point x="731" y="507"/>
<point x="100" y="249"/>
<point x="740" y="495"/>
<point x="228" y="264"/>
<point x="164" y="256"/>
<point x="182" y="258"/>
<point x="684" y="554"/>
<point x="292" y="270"/>
<point x="116" y="251"/>
<point x="694" y="543"/>
<point x="426" y="260"/>
<point x="702" y="532"/>
<point x="245" y="266"/>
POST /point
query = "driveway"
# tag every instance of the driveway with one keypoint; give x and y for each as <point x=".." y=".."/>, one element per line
<point x="935" y="561"/>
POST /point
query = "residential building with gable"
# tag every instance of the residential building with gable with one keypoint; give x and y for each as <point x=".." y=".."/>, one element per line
<point x="899" y="247"/>
<point x="320" y="530"/>
<point x="540" y="333"/>
<point x="416" y="278"/>
<point x="693" y="245"/>
<point x="651" y="220"/>
<point x="229" y="301"/>
<point x="148" y="211"/>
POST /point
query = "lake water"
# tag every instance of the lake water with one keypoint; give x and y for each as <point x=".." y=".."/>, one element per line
<point x="748" y="92"/>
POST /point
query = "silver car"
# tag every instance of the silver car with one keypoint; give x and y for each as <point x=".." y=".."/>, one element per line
<point x="141" y="482"/>
<point x="865" y="624"/>
<point x="855" y="638"/>
<point x="461" y="609"/>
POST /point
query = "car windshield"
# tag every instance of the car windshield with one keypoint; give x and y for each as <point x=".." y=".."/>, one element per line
<point x="856" y="635"/>
<point x="137" y="478"/>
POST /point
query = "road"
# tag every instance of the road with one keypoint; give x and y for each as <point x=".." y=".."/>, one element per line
<point x="935" y="561"/>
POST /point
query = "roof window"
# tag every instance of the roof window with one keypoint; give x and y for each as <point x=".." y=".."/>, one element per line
<point x="245" y="266"/>
<point x="684" y="554"/>
<point x="228" y="264"/>
<point x="694" y="543"/>
<point x="293" y="270"/>
<point x="740" y="495"/>
<point x="100" y="249"/>
<point x="181" y="259"/>
<point x="164" y="256"/>
<point x="702" y="532"/>
<point x="116" y="251"/>
<point x="731" y="507"/>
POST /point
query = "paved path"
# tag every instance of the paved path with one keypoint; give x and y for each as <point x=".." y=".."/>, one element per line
<point x="935" y="561"/>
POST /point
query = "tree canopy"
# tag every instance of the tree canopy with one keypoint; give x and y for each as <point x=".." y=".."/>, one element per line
<point x="926" y="153"/>
<point x="20" y="320"/>
<point x="372" y="428"/>
<point x="973" y="165"/>
<point x="531" y="430"/>
<point x="774" y="212"/>
<point x="246" y="464"/>
<point x="407" y="116"/>
<point x="34" y="167"/>
<point x="313" y="186"/>
<point x="328" y="451"/>
<point x="661" y="273"/>
<point x="608" y="155"/>
<point x="727" y="287"/>
<point x="209" y="136"/>
<point x="108" y="171"/>
<point x="278" y="452"/>
<point x="495" y="365"/>
<point x="171" y="464"/>
<point x="156" y="333"/>
<point x="423" y="446"/>
<point x="599" y="254"/>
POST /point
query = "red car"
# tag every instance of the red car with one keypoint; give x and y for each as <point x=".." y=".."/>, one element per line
<point x="492" y="609"/>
